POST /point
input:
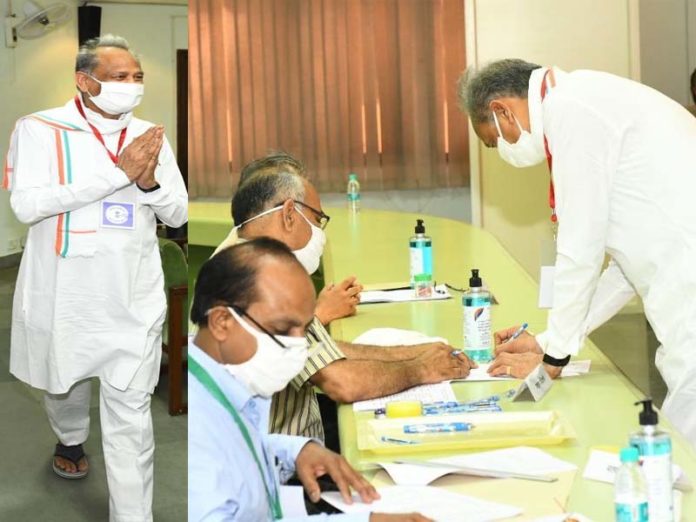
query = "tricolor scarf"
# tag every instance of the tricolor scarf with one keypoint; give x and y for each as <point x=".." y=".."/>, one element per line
<point x="72" y="139"/>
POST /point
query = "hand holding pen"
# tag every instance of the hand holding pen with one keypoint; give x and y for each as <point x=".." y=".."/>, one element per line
<point x="515" y="339"/>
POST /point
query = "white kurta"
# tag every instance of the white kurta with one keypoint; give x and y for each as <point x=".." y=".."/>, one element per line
<point x="89" y="300"/>
<point x="624" y="169"/>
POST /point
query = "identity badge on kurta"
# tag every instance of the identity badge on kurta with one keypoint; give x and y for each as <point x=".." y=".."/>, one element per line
<point x="117" y="214"/>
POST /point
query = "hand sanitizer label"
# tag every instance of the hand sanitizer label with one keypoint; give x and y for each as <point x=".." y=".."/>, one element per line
<point x="477" y="327"/>
<point x="657" y="467"/>
<point x="416" y="262"/>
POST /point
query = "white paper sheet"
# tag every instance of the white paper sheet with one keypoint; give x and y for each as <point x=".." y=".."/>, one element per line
<point x="401" y="296"/>
<point x="521" y="459"/>
<point x="395" y="337"/>
<point x="602" y="466"/>
<point x="573" y="369"/>
<point x="481" y="374"/>
<point x="438" y="504"/>
<point x="292" y="501"/>
<point x="425" y="393"/>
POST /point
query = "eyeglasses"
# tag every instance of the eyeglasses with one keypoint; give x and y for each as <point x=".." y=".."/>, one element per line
<point x="321" y="217"/>
<point x="243" y="313"/>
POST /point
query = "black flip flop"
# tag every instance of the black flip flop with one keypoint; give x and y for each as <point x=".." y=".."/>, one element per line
<point x="72" y="453"/>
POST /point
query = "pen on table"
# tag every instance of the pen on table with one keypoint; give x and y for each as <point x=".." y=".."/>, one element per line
<point x="440" y="427"/>
<point x="519" y="332"/>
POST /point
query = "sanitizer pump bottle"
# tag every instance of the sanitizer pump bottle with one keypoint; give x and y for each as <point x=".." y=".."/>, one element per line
<point x="420" y="253"/>
<point x="477" y="320"/>
<point x="655" y="449"/>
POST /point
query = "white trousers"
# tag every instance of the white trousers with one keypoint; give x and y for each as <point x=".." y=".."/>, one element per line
<point x="127" y="440"/>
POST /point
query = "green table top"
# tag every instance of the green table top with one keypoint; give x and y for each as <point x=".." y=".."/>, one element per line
<point x="373" y="245"/>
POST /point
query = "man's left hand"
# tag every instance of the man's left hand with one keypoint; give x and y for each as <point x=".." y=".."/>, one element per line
<point x="315" y="460"/>
<point x="519" y="365"/>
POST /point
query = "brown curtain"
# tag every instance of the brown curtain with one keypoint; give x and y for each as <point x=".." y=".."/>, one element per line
<point x="365" y="86"/>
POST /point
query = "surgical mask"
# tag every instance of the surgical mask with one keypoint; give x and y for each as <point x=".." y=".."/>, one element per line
<point x="309" y="255"/>
<point x="272" y="367"/>
<point x="118" y="97"/>
<point x="525" y="152"/>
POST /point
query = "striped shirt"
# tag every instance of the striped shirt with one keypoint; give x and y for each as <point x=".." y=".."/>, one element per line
<point x="295" y="410"/>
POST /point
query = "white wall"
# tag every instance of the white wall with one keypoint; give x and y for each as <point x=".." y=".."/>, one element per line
<point x="38" y="74"/>
<point x="592" y="34"/>
<point x="154" y="32"/>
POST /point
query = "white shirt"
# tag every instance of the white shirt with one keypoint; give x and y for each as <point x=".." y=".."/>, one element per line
<point x="624" y="170"/>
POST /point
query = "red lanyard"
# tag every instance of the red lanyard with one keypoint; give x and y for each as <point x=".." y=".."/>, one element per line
<point x="98" y="135"/>
<point x="549" y="158"/>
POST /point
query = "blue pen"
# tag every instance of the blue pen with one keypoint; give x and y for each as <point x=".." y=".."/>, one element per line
<point x="519" y="332"/>
<point x="464" y="408"/>
<point x="439" y="427"/>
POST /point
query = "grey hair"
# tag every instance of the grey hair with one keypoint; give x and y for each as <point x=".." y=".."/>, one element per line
<point x="478" y="88"/>
<point x="87" y="60"/>
<point x="265" y="189"/>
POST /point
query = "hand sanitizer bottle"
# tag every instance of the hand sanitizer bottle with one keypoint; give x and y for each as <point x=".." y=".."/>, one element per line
<point x="477" y="320"/>
<point x="420" y="253"/>
<point x="655" y="449"/>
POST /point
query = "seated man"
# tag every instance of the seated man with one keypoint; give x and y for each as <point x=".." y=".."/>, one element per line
<point x="280" y="203"/>
<point x="252" y="304"/>
<point x="335" y="300"/>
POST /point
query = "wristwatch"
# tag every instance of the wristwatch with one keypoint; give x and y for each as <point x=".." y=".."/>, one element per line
<point x="552" y="361"/>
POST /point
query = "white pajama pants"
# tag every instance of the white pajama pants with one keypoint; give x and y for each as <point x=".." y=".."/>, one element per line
<point x="127" y="440"/>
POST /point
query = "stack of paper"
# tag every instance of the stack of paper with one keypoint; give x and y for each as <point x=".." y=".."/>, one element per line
<point x="438" y="504"/>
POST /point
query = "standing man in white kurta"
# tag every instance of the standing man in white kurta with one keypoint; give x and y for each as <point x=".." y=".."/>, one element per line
<point x="623" y="165"/>
<point x="90" y="179"/>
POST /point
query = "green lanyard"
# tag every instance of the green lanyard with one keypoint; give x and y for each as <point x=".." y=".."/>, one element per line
<point x="209" y="384"/>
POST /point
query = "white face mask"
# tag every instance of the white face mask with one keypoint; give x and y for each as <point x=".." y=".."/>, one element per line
<point x="310" y="254"/>
<point x="271" y="368"/>
<point x="525" y="152"/>
<point x="118" y="97"/>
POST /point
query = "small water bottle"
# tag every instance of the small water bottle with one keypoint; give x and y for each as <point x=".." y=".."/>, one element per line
<point x="353" y="193"/>
<point x="630" y="491"/>
<point x="478" y="340"/>
<point x="655" y="449"/>
<point x="420" y="248"/>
